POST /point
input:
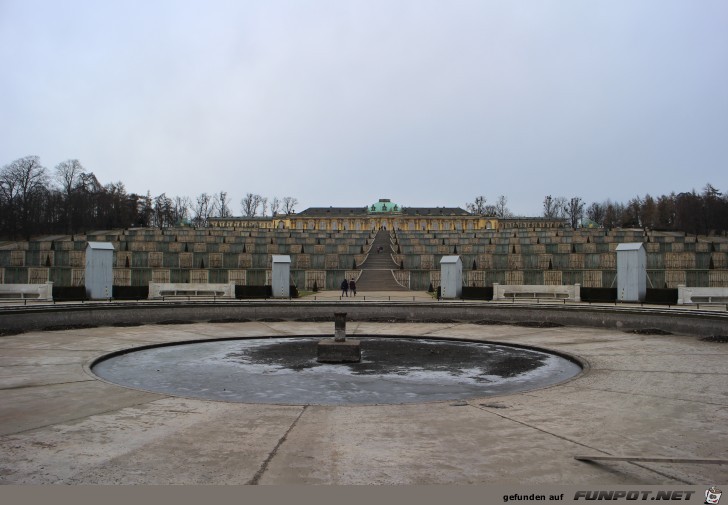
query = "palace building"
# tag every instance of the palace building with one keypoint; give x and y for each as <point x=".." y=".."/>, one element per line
<point x="386" y="215"/>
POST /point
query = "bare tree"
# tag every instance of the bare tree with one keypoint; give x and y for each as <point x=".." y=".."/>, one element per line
<point x="21" y="182"/>
<point x="714" y="208"/>
<point x="223" y="207"/>
<point x="163" y="211"/>
<point x="549" y="207"/>
<point x="8" y="203"/>
<point x="632" y="213"/>
<point x="649" y="216"/>
<point x="289" y="204"/>
<point x="249" y="204"/>
<point x="145" y="212"/>
<point x="575" y="210"/>
<point x="202" y="209"/>
<point x="555" y="208"/>
<point x="478" y="206"/>
<point x="562" y="207"/>
<point x="596" y="212"/>
<point x="214" y="206"/>
<point x="68" y="174"/>
<point x="501" y="207"/>
<point x="157" y="218"/>
<point x="263" y="205"/>
<point x="118" y="207"/>
<point x="666" y="211"/>
<point x="688" y="212"/>
<point x="612" y="214"/>
<point x="275" y="205"/>
<point x="181" y="209"/>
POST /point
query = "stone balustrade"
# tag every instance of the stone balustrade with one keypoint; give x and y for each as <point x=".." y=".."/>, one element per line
<point x="159" y="290"/>
<point x="570" y="293"/>
<point x="41" y="292"/>
<point x="693" y="295"/>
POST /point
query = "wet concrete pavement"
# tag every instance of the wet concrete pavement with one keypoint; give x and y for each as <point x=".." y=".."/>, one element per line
<point x="642" y="395"/>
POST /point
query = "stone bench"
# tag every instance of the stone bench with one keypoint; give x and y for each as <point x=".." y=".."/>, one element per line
<point x="690" y="295"/>
<point x="15" y="292"/>
<point x="570" y="293"/>
<point x="158" y="290"/>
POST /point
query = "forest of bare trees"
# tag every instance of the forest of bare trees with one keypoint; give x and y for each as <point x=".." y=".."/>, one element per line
<point x="498" y="209"/>
<point x="69" y="199"/>
<point x="692" y="212"/>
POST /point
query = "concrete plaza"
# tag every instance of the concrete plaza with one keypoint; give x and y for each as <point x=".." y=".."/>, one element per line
<point x="639" y="395"/>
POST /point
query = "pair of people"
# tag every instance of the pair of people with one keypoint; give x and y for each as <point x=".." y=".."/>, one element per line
<point x="347" y="286"/>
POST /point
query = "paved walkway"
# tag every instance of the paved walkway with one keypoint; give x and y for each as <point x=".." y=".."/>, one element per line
<point x="642" y="395"/>
<point x="424" y="296"/>
<point x="399" y="296"/>
<point x="405" y="296"/>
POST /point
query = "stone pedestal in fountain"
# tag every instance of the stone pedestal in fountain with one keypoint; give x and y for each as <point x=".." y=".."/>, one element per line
<point x="339" y="349"/>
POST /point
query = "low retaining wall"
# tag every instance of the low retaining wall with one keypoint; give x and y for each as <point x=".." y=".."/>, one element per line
<point x="536" y="291"/>
<point x="680" y="321"/>
<point x="691" y="295"/>
<point x="27" y="291"/>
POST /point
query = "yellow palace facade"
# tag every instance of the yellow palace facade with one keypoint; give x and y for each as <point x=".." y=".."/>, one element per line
<point x="384" y="215"/>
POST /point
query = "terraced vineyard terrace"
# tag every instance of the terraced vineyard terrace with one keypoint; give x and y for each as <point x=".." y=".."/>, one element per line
<point x="321" y="259"/>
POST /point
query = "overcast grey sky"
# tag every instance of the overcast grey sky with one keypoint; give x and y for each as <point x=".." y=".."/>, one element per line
<point x="429" y="103"/>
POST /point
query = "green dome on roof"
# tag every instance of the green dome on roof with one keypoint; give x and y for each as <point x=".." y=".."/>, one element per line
<point x="384" y="205"/>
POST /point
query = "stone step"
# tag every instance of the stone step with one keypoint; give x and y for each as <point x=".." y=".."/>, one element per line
<point x="378" y="280"/>
<point x="376" y="270"/>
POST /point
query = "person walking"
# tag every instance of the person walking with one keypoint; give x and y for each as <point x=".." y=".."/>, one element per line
<point x="344" y="288"/>
<point x="352" y="286"/>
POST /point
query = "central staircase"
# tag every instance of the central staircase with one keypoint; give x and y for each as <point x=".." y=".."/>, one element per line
<point x="376" y="272"/>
